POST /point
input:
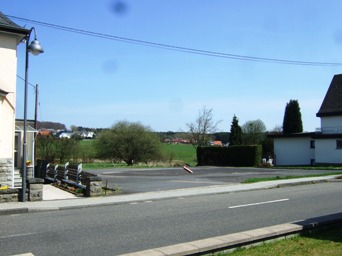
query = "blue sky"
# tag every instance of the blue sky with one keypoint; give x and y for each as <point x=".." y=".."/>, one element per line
<point x="95" y="82"/>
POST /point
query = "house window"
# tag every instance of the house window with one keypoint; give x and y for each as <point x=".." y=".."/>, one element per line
<point x="338" y="144"/>
<point x="312" y="144"/>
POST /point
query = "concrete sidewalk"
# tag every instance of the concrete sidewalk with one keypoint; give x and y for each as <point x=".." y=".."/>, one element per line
<point x="52" y="193"/>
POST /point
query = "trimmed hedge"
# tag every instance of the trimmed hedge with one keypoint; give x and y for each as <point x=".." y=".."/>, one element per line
<point x="230" y="156"/>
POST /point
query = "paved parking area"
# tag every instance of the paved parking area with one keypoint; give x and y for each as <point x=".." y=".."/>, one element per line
<point x="148" y="180"/>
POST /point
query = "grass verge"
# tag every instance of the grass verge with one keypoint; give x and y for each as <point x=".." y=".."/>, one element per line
<point x="254" y="180"/>
<point x="326" y="242"/>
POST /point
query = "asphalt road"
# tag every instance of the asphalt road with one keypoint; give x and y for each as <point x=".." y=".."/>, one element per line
<point x="113" y="230"/>
<point x="147" y="180"/>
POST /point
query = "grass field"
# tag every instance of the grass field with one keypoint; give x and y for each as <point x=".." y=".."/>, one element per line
<point x="180" y="152"/>
<point x="173" y="154"/>
<point x="322" y="242"/>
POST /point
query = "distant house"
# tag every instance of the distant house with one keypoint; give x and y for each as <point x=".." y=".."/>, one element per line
<point x="45" y="132"/>
<point x="322" y="147"/>
<point x="86" y="134"/>
<point x="216" y="143"/>
<point x="180" y="141"/>
<point x="65" y="135"/>
<point x="10" y="36"/>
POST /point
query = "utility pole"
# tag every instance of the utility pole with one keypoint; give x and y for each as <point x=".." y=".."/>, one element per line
<point x="36" y="110"/>
<point x="36" y="128"/>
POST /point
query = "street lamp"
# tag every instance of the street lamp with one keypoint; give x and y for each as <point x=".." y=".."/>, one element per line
<point x="35" y="48"/>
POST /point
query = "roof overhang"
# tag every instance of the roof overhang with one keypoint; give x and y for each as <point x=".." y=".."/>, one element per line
<point x="8" y="27"/>
<point x="18" y="31"/>
<point x="327" y="136"/>
<point x="19" y="125"/>
<point x="333" y="113"/>
<point x="28" y="129"/>
<point x="312" y="135"/>
<point x="291" y="135"/>
<point x="3" y="93"/>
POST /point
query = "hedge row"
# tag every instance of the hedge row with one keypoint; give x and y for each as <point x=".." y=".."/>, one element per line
<point x="230" y="156"/>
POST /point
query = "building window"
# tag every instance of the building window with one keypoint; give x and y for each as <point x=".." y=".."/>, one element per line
<point x="312" y="162"/>
<point x="338" y="144"/>
<point x="312" y="144"/>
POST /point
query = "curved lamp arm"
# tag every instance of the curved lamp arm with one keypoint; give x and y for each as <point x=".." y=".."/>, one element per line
<point x="35" y="48"/>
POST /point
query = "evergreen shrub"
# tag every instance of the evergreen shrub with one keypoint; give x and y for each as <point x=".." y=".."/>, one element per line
<point x="230" y="156"/>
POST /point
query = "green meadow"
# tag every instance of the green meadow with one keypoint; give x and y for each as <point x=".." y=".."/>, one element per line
<point x="172" y="155"/>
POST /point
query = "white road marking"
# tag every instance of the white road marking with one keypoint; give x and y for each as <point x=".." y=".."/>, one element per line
<point x="16" y="235"/>
<point x="266" y="202"/>
<point x="141" y="202"/>
<point x="25" y="254"/>
<point x="194" y="181"/>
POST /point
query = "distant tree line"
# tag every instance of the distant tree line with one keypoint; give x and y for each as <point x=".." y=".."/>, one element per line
<point x="51" y="125"/>
<point x="134" y="142"/>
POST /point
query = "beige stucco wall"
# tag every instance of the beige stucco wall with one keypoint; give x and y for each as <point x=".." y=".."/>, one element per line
<point x="8" y="71"/>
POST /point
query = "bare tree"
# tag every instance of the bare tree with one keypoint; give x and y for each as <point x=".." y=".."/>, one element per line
<point x="277" y="129"/>
<point x="202" y="129"/>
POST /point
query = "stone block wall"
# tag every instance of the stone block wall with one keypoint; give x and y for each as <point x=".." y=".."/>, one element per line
<point x="34" y="192"/>
<point x="93" y="186"/>
<point x="6" y="167"/>
<point x="9" y="195"/>
<point x="35" y="189"/>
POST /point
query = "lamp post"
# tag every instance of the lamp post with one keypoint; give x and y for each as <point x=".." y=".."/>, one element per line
<point x="34" y="48"/>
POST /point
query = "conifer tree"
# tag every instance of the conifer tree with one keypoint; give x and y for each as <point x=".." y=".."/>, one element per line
<point x="235" y="133"/>
<point x="292" y="118"/>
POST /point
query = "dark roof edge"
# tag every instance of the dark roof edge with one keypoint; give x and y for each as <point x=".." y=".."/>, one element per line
<point x="327" y="136"/>
<point x="312" y="135"/>
<point x="19" y="31"/>
<point x="322" y="114"/>
<point x="3" y="93"/>
<point x="291" y="135"/>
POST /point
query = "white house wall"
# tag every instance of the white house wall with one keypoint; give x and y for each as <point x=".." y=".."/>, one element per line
<point x="331" y="124"/>
<point x="293" y="151"/>
<point x="326" y="152"/>
<point x="8" y="71"/>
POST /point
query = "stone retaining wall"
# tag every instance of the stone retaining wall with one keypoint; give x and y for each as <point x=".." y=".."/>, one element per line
<point x="9" y="195"/>
<point x="34" y="192"/>
<point x="93" y="186"/>
<point x="6" y="167"/>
